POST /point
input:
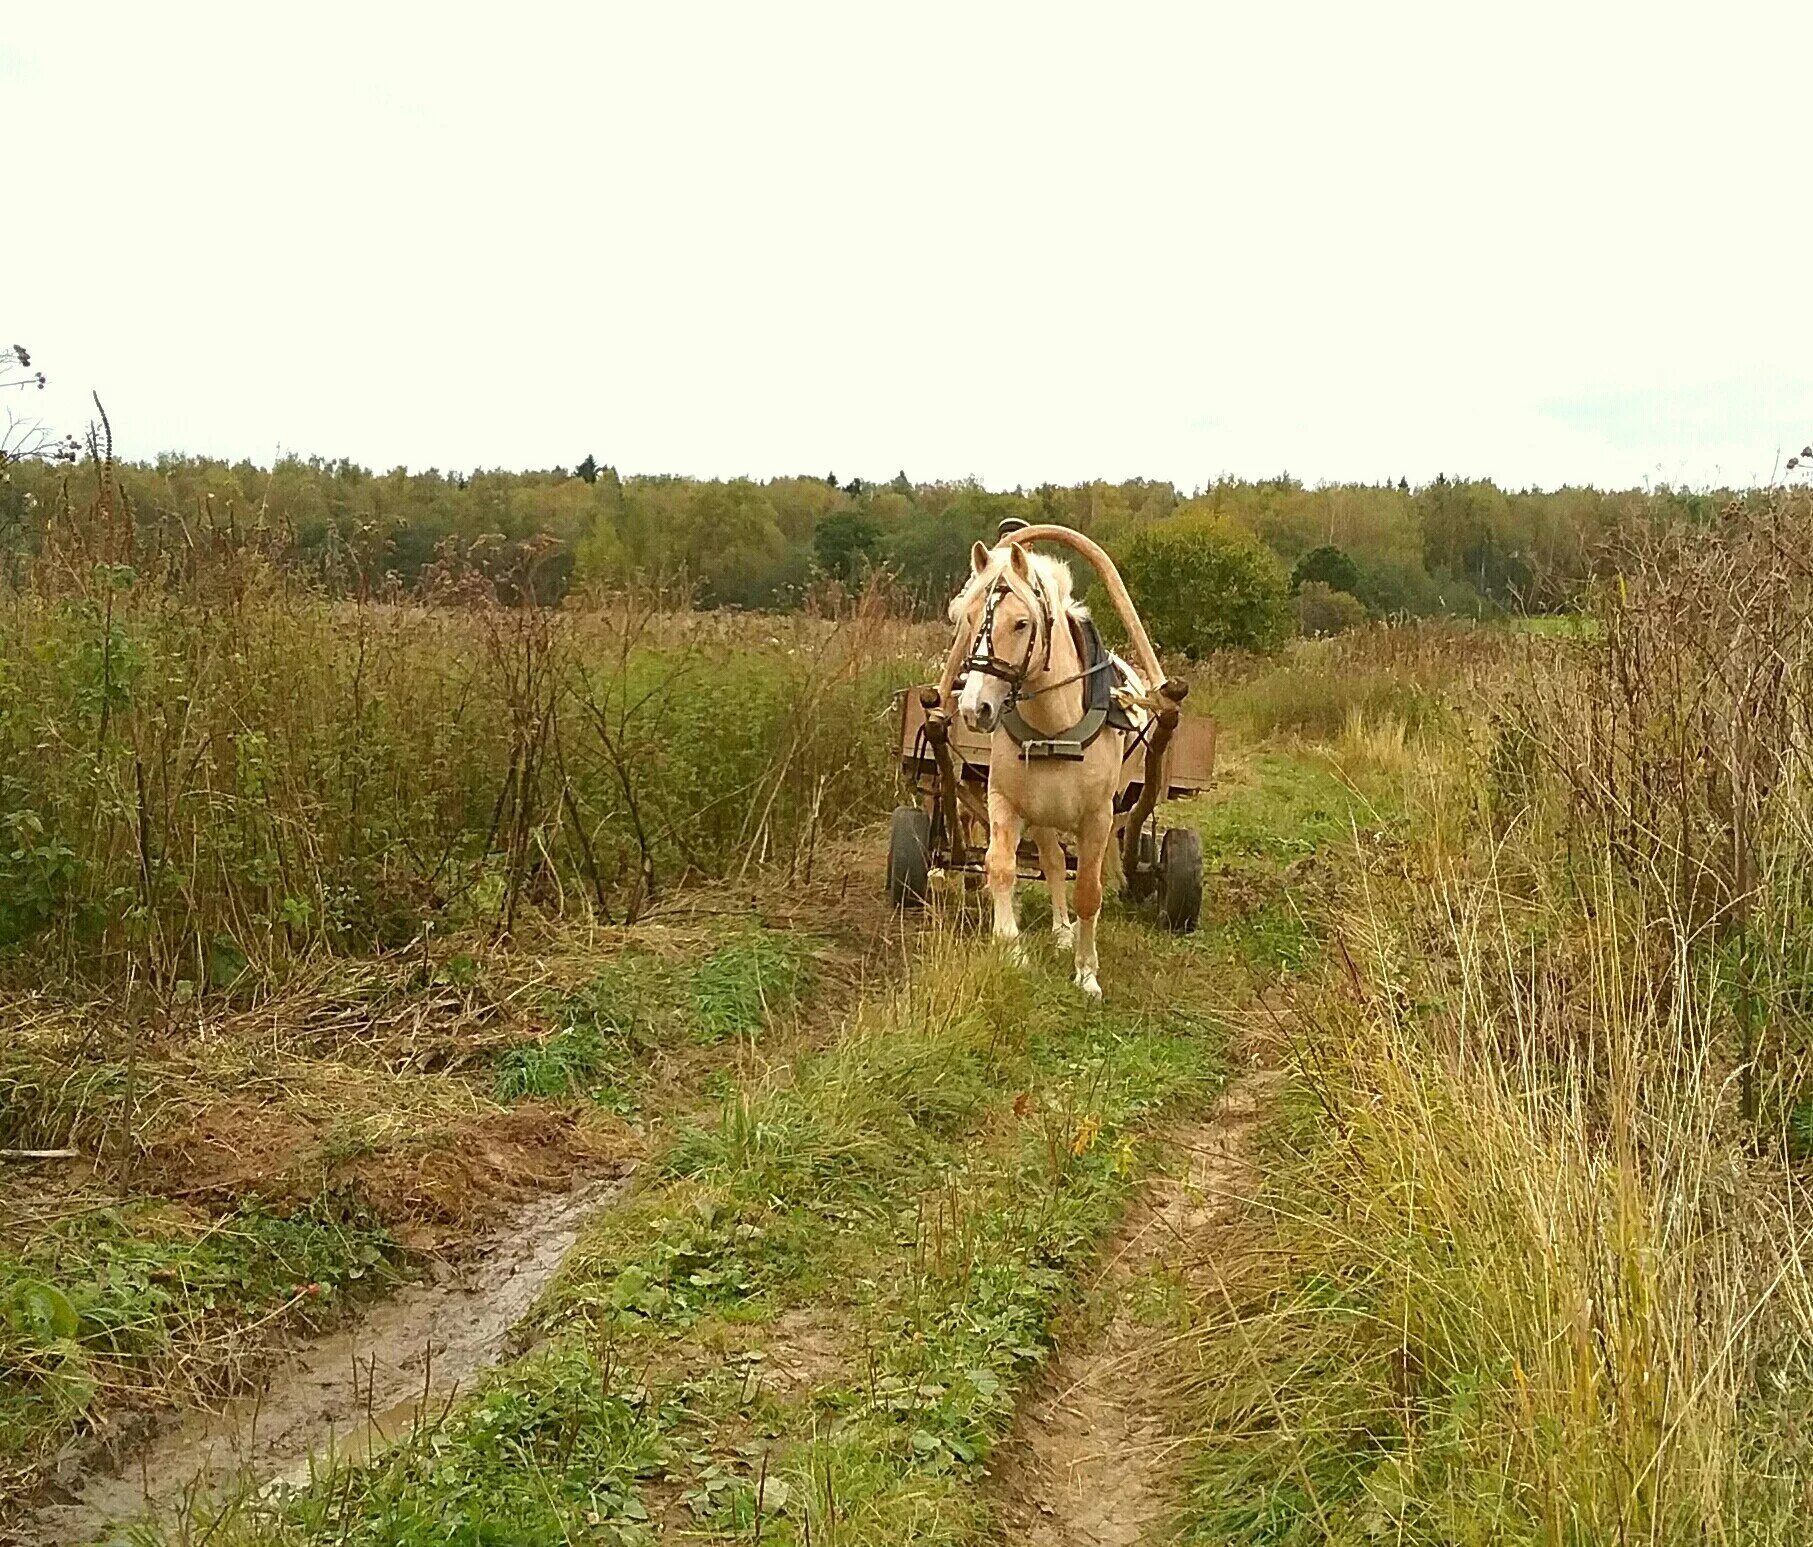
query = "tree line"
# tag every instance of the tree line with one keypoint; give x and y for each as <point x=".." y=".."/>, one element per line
<point x="1451" y="546"/>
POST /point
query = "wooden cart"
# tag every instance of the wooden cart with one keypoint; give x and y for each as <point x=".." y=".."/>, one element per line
<point x="944" y="765"/>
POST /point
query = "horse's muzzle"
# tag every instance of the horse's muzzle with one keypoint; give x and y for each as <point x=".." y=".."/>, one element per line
<point x="983" y="716"/>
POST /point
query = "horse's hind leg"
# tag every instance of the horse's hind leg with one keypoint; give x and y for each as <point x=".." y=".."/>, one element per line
<point x="1003" y="865"/>
<point x="1051" y="862"/>
<point x="1091" y="852"/>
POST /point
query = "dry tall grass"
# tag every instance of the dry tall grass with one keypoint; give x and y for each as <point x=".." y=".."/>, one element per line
<point x="207" y="767"/>
<point x="1546" y="1273"/>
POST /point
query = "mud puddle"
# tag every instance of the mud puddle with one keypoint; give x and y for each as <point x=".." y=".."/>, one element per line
<point x="351" y="1393"/>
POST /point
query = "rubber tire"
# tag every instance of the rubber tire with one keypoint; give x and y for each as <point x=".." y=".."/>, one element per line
<point x="909" y="857"/>
<point x="1180" y="879"/>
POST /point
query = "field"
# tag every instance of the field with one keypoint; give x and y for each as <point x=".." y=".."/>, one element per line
<point x="502" y="1108"/>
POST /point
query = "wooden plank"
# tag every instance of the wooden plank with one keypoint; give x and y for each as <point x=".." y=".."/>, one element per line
<point x="1192" y="755"/>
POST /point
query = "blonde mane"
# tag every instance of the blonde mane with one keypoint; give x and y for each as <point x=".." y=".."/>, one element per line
<point x="1053" y="577"/>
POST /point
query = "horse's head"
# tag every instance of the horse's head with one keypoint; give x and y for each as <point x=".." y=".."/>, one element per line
<point x="1009" y="610"/>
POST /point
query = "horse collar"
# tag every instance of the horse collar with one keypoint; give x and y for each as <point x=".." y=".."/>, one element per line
<point x="1066" y="746"/>
<point x="1070" y="744"/>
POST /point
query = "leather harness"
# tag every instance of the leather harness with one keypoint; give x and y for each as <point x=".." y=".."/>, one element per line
<point x="1099" y="709"/>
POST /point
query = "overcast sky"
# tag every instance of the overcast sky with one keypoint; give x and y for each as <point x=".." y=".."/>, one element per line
<point x="1541" y="243"/>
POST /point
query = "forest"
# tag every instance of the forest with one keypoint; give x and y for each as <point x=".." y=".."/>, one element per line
<point x="1454" y="546"/>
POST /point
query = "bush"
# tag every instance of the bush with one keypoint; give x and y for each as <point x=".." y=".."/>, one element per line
<point x="1322" y="610"/>
<point x="214" y="791"/>
<point x="845" y="544"/>
<point x="1203" y="584"/>
<point x="1329" y="566"/>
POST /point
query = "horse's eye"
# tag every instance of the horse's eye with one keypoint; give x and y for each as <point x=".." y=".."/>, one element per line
<point x="1020" y="626"/>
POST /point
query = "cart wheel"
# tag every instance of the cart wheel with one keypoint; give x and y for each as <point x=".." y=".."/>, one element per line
<point x="1180" y="879"/>
<point x="909" y="857"/>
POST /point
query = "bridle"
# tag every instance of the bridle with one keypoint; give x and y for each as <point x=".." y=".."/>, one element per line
<point x="1069" y="744"/>
<point x="982" y="658"/>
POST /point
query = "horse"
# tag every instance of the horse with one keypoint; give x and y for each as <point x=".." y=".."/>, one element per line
<point x="1029" y="675"/>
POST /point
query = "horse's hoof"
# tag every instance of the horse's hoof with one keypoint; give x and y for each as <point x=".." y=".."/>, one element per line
<point x="1089" y="984"/>
<point x="1017" y="952"/>
<point x="1063" y="935"/>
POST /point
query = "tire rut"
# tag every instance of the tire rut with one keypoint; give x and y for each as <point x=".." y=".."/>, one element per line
<point x="355" y="1391"/>
<point x="1091" y="1459"/>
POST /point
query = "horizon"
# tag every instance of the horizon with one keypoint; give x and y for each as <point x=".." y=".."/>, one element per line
<point x="1005" y="246"/>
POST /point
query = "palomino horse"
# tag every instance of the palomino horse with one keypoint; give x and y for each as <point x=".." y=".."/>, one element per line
<point x="1035" y="675"/>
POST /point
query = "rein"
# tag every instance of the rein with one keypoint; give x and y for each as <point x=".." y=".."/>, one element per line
<point x="1063" y="682"/>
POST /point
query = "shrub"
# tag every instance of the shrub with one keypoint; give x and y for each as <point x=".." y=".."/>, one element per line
<point x="1329" y="566"/>
<point x="845" y="544"/>
<point x="1402" y="588"/>
<point x="1324" y="610"/>
<point x="1203" y="584"/>
<point x="207" y="774"/>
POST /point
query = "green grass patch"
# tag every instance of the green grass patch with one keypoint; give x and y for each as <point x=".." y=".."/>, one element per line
<point x="1287" y="807"/>
<point x="549" y="1453"/>
<point x="1559" y="625"/>
<point x="742" y="983"/>
<point x="1273" y="937"/>
<point x="605" y="1032"/>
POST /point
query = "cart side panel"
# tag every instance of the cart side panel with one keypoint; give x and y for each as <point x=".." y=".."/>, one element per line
<point x="1192" y="755"/>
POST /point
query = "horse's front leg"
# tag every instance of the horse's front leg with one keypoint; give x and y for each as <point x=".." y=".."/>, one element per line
<point x="1091" y="852"/>
<point x="1003" y="867"/>
<point x="1051" y="862"/>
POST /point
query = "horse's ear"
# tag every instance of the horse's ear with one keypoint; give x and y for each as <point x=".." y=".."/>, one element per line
<point x="978" y="559"/>
<point x="1016" y="561"/>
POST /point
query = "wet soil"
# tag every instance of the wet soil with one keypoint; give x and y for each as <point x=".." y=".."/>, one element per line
<point x="351" y="1393"/>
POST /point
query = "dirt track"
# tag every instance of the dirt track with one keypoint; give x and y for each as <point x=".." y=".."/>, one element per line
<point x="1088" y="1463"/>
<point x="1091" y="1459"/>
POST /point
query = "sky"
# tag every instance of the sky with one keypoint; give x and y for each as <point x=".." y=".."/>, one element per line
<point x="1540" y="243"/>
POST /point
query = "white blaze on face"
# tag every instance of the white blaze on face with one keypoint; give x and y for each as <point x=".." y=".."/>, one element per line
<point x="983" y="697"/>
<point x="982" y="701"/>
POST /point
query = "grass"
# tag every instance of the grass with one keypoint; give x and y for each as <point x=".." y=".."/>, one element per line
<point x="203" y="800"/>
<point x="1525" y="1277"/>
<point x="927" y="1186"/>
<point x="605" y="1030"/>
<point x="910" y="1204"/>
<point x="1519" y="1273"/>
<point x="556" y="1450"/>
<point x="252" y="1165"/>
